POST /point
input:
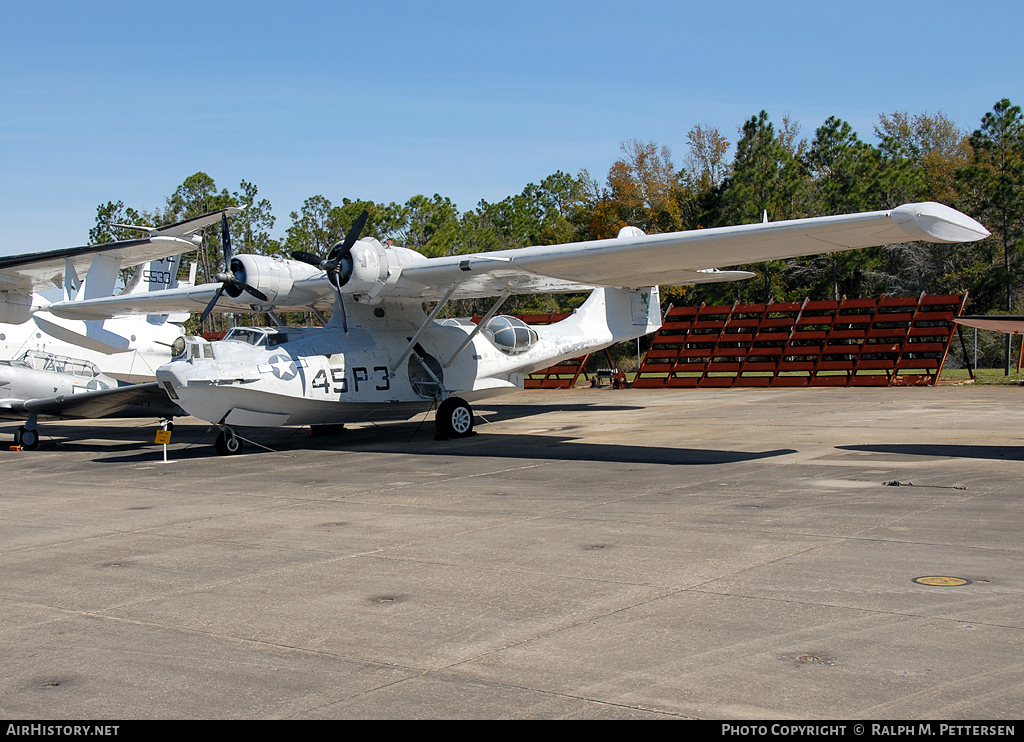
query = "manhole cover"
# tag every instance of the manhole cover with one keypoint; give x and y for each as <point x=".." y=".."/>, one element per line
<point x="941" y="581"/>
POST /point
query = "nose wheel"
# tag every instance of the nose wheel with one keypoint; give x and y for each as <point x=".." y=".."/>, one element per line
<point x="227" y="442"/>
<point x="454" y="419"/>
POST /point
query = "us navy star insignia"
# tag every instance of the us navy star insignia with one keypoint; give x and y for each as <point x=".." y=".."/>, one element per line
<point x="283" y="367"/>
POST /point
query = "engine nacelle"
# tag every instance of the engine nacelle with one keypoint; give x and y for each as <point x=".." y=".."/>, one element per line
<point x="275" y="277"/>
<point x="368" y="270"/>
<point x="18" y="308"/>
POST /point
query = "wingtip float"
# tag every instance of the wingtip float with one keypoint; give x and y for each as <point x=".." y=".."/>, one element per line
<point x="932" y="222"/>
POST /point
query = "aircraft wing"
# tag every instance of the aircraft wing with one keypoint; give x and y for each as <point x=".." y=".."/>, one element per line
<point x="39" y="271"/>
<point x="188" y="299"/>
<point x="632" y="260"/>
<point x="680" y="257"/>
<point x="134" y="400"/>
<point x="1008" y="323"/>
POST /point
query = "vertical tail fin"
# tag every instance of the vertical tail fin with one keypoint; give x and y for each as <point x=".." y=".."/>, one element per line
<point x="608" y="316"/>
<point x="624" y="313"/>
<point x="155" y="275"/>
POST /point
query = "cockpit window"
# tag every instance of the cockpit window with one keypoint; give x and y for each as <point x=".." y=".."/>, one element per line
<point x="191" y="348"/>
<point x="42" y="361"/>
<point x="261" y="337"/>
<point x="252" y="336"/>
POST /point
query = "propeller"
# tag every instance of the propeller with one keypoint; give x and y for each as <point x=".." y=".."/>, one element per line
<point x="229" y="281"/>
<point x="338" y="263"/>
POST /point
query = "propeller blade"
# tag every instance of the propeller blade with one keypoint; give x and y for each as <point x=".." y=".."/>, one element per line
<point x="353" y="232"/>
<point x="225" y="239"/>
<point x="341" y="309"/>
<point x="252" y="291"/>
<point x="307" y="257"/>
<point x="227" y="278"/>
<point x="211" y="305"/>
<point x="332" y="264"/>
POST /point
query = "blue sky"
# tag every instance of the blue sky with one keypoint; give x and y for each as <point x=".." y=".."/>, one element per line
<point x="108" y="100"/>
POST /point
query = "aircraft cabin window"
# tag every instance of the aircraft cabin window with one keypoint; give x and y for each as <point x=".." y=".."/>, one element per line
<point x="246" y="335"/>
<point x="510" y="334"/>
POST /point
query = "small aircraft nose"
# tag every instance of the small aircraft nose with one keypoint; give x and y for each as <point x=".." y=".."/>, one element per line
<point x="168" y="377"/>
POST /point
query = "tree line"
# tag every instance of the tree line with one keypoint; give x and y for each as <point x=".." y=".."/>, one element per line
<point x="774" y="172"/>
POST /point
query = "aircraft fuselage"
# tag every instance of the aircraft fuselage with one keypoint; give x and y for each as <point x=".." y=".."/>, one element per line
<point x="382" y="370"/>
<point x="42" y="375"/>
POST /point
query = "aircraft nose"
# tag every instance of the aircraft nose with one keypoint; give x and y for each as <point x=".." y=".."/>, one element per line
<point x="168" y="376"/>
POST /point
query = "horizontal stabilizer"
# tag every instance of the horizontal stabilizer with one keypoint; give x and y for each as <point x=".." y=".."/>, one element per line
<point x="89" y="335"/>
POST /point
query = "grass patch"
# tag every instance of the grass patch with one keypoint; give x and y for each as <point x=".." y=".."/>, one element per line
<point x="988" y="376"/>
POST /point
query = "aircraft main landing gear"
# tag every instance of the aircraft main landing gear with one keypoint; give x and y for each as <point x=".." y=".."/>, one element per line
<point x="454" y="419"/>
<point x="227" y="442"/>
<point x="27" y="438"/>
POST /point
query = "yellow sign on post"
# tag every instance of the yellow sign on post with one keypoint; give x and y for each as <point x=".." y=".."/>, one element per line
<point x="163" y="436"/>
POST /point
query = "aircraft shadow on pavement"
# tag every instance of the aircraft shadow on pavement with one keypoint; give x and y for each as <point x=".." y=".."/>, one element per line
<point x="557" y="448"/>
<point x="56" y="437"/>
<point x="130" y="435"/>
<point x="498" y="412"/>
<point x="1011" y="453"/>
<point x="194" y="442"/>
<point x="134" y="443"/>
<point x="408" y="438"/>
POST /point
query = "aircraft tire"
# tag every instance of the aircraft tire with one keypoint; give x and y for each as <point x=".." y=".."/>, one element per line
<point x="227" y="445"/>
<point x="27" y="438"/>
<point x="454" y="419"/>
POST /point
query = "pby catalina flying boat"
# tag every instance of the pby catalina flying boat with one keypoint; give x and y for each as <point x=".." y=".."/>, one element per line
<point x="89" y="368"/>
<point x="383" y="356"/>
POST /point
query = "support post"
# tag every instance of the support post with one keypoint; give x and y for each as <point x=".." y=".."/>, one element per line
<point x="479" y="326"/>
<point x="423" y="327"/>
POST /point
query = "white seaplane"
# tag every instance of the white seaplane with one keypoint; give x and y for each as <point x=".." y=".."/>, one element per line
<point x="385" y="356"/>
